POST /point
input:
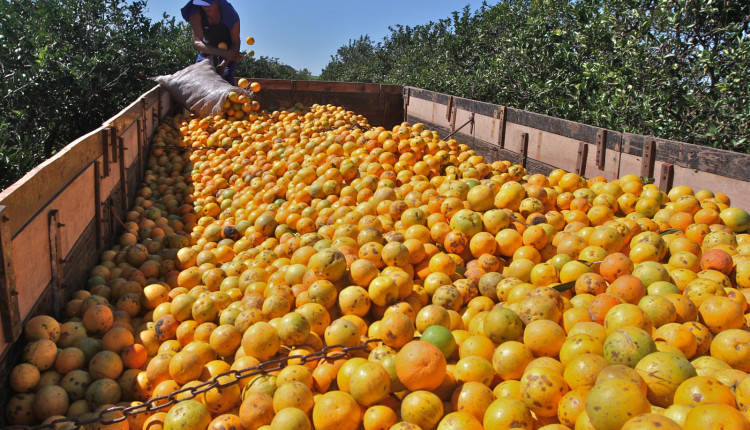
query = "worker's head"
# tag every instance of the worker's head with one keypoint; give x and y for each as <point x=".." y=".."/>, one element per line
<point x="204" y="2"/>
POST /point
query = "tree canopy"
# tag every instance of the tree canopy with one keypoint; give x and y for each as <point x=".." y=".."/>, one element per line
<point x="672" y="69"/>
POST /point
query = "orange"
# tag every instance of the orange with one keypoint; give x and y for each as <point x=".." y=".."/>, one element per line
<point x="703" y="389"/>
<point x="336" y="410"/>
<point x="379" y="417"/>
<point x="715" y="415"/>
<point x="420" y="365"/>
<point x="614" y="266"/>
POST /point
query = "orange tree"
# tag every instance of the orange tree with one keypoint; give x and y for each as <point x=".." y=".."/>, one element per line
<point x="67" y="65"/>
<point x="673" y="69"/>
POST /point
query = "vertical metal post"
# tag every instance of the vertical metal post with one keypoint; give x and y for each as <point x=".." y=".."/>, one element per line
<point x="648" y="158"/>
<point x="105" y="152"/>
<point x="583" y="155"/>
<point x="601" y="148"/>
<point x="98" y="205"/>
<point x="123" y="176"/>
<point x="501" y="131"/>
<point x="667" y="176"/>
<point x="524" y="148"/>
<point x="10" y="316"/>
<point x="56" y="261"/>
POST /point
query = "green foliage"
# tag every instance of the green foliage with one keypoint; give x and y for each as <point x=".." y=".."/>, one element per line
<point x="67" y="65"/>
<point x="675" y="69"/>
<point x="269" y="68"/>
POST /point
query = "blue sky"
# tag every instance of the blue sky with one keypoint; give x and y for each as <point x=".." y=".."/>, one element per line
<point x="304" y="34"/>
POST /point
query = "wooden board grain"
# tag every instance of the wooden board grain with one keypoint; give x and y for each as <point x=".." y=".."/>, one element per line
<point x="33" y="269"/>
<point x="31" y="193"/>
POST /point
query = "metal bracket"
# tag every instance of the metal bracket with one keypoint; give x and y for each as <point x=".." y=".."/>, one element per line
<point x="524" y="148"/>
<point x="123" y="176"/>
<point x="583" y="155"/>
<point x="113" y="143"/>
<point x="667" y="176"/>
<point x="449" y="109"/>
<point x="501" y="131"/>
<point x="10" y="315"/>
<point x="601" y="148"/>
<point x="98" y="205"/>
<point x="648" y="158"/>
<point x="56" y="261"/>
<point x="105" y="151"/>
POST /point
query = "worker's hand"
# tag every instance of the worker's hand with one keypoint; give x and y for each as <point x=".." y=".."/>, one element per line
<point x="235" y="56"/>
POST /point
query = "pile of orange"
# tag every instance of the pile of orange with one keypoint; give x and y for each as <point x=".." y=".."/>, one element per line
<point x="306" y="227"/>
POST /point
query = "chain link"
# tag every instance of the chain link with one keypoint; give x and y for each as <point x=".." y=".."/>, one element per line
<point x="122" y="413"/>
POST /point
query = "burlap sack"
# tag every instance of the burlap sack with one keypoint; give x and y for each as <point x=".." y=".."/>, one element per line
<point x="199" y="88"/>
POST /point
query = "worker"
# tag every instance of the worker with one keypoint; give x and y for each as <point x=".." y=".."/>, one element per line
<point x="216" y="34"/>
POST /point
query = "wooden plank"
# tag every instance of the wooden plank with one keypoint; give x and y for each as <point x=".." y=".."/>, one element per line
<point x="571" y="129"/>
<point x="31" y="248"/>
<point x="125" y="118"/>
<point x="10" y="316"/>
<point x="31" y="193"/>
<point x="711" y="160"/>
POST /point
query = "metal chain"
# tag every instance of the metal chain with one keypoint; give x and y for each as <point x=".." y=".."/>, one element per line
<point x="331" y="352"/>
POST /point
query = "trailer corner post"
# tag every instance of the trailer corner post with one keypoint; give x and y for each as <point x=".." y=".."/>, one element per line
<point x="10" y="316"/>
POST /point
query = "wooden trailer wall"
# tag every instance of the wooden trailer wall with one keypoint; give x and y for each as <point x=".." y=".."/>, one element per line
<point x="56" y="220"/>
<point x="380" y="104"/>
<point x="542" y="144"/>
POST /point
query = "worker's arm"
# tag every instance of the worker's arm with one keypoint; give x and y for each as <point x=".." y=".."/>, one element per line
<point x="234" y="49"/>
<point x="232" y="53"/>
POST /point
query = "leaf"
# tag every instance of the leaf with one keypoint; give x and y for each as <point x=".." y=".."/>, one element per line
<point x="565" y="287"/>
<point x="669" y="231"/>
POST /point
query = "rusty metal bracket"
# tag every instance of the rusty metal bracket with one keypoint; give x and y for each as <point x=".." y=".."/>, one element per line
<point x="123" y="176"/>
<point x="56" y="260"/>
<point x="583" y="155"/>
<point x="113" y="142"/>
<point x="601" y="148"/>
<point x="293" y="91"/>
<point x="10" y="315"/>
<point x="648" y="158"/>
<point x="524" y="148"/>
<point x="451" y="134"/>
<point x="105" y="151"/>
<point x="501" y="131"/>
<point x="98" y="205"/>
<point x="667" y="177"/>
